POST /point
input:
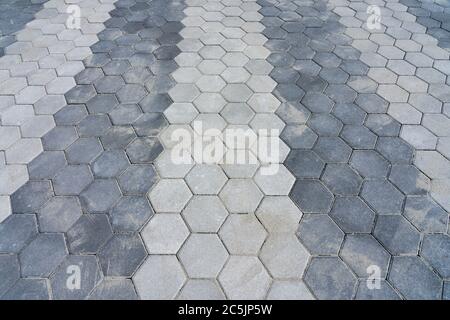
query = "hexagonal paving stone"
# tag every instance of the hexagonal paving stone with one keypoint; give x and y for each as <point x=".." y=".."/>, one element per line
<point x="360" y="251"/>
<point x="304" y="164"/>
<point x="130" y="214"/>
<point x="332" y="149"/>
<point x="358" y="137"/>
<point x="352" y="215"/>
<point x="320" y="234"/>
<point x="203" y="255"/>
<point x="382" y="196"/>
<point x="144" y="150"/>
<point x="72" y="179"/>
<point x="279" y="214"/>
<point x="170" y="195"/>
<point x="244" y="278"/>
<point x="397" y="234"/>
<point x="38" y="168"/>
<point x="122" y="255"/>
<point x="100" y="196"/>
<point x="241" y="196"/>
<point x="9" y="272"/>
<point x="311" y="196"/>
<point x="435" y="249"/>
<point x="277" y="182"/>
<point x="89" y="234"/>
<point x="31" y="196"/>
<point x="369" y="164"/>
<point x="242" y="234"/>
<point x="110" y="164"/>
<point x="164" y="234"/>
<point x="425" y="214"/>
<point x="206" y="179"/>
<point x="385" y="292"/>
<point x="395" y="149"/>
<point x="201" y="289"/>
<point x="137" y="179"/>
<point x="284" y="256"/>
<point x="41" y="257"/>
<point x="330" y="278"/>
<point x="299" y="136"/>
<point x="418" y="283"/>
<point x="16" y="231"/>
<point x="110" y="289"/>
<point x="410" y="180"/>
<point x="289" y="290"/>
<point x="90" y="276"/>
<point x="341" y="179"/>
<point x="59" y="214"/>
<point x="160" y="277"/>
<point x="205" y="214"/>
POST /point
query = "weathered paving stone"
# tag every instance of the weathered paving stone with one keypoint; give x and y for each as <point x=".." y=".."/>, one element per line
<point x="332" y="149"/>
<point x="71" y="180"/>
<point x="144" y="150"/>
<point x="201" y="289"/>
<point x="410" y="180"/>
<point x="352" y="214"/>
<point x="289" y="290"/>
<point x="311" y="196"/>
<point x="16" y="231"/>
<point x="397" y="234"/>
<point x="419" y="282"/>
<point x="28" y="289"/>
<point x="89" y="234"/>
<point x="385" y="292"/>
<point x="122" y="255"/>
<point x="425" y="214"/>
<point x="278" y="214"/>
<point x="205" y="214"/>
<point x="114" y="289"/>
<point x="130" y="214"/>
<point x="90" y="276"/>
<point x="39" y="168"/>
<point x="110" y="164"/>
<point x="244" y="277"/>
<point x="9" y="272"/>
<point x="341" y="179"/>
<point x="319" y="234"/>
<point x="330" y="278"/>
<point x="43" y="255"/>
<point x="59" y="214"/>
<point x="31" y="196"/>
<point x="299" y="136"/>
<point x="369" y="164"/>
<point x="160" y="277"/>
<point x="435" y="249"/>
<point x="382" y="196"/>
<point x="137" y="179"/>
<point x="361" y="251"/>
<point x="84" y="150"/>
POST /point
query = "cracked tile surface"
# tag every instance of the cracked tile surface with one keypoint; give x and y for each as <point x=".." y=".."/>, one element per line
<point x="362" y="178"/>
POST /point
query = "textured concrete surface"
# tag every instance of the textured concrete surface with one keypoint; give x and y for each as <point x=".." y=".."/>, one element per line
<point x="88" y="180"/>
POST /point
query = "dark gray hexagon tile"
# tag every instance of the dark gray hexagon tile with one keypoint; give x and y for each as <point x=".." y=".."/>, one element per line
<point x="369" y="164"/>
<point x="72" y="179"/>
<point x="436" y="250"/>
<point x="89" y="234"/>
<point x="31" y="196"/>
<point x="150" y="124"/>
<point x="352" y="215"/>
<point x="59" y="214"/>
<point x="425" y="214"/>
<point x="324" y="124"/>
<point x="110" y="164"/>
<point x="102" y="103"/>
<point x="122" y="255"/>
<point x="319" y="234"/>
<point x="59" y="138"/>
<point x="100" y="196"/>
<point x="382" y="196"/>
<point x="383" y="125"/>
<point x="144" y="150"/>
<point x="41" y="257"/>
<point x="16" y="231"/>
<point x="39" y="167"/>
<point x="304" y="164"/>
<point x="418" y="283"/>
<point x="130" y="214"/>
<point x="395" y="149"/>
<point x="28" y="289"/>
<point x="9" y="271"/>
<point x="125" y="114"/>
<point x="410" y="180"/>
<point x="80" y="94"/>
<point x="385" y="292"/>
<point x="330" y="278"/>
<point x="117" y="137"/>
<point x="299" y="136"/>
<point x="397" y="234"/>
<point x="359" y="137"/>
<point x="94" y="125"/>
<point x="311" y="196"/>
<point x="349" y="113"/>
<point x="84" y="150"/>
<point x="341" y="179"/>
<point x="137" y="179"/>
<point x="361" y="251"/>
<point x="90" y="276"/>
<point x="332" y="149"/>
<point x="114" y="289"/>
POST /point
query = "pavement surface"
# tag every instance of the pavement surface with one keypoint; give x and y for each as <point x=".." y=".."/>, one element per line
<point x="352" y="204"/>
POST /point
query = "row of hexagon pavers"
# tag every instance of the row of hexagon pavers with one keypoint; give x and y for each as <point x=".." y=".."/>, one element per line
<point x="35" y="73"/>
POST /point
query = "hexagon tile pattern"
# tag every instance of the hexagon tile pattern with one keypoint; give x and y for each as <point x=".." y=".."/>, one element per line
<point x="362" y="179"/>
